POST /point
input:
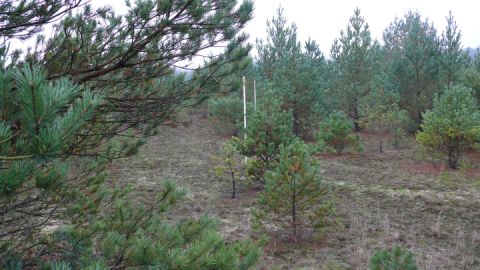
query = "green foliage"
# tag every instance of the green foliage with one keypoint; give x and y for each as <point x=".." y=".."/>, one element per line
<point x="60" y="266"/>
<point x="380" y="113"/>
<point x="267" y="129"/>
<point x="396" y="258"/>
<point x="301" y="91"/>
<point x="355" y="65"/>
<point x="229" y="164"/>
<point x="413" y="54"/>
<point x="43" y="126"/>
<point x="281" y="41"/>
<point x="23" y="19"/>
<point x="336" y="131"/>
<point x="452" y="125"/>
<point x="453" y="58"/>
<point x="293" y="190"/>
<point x="47" y="177"/>
<point x="227" y="113"/>
<point x="57" y="135"/>
<point x="226" y="108"/>
<point x="400" y="125"/>
<point x="137" y="234"/>
<point x="137" y="69"/>
<point x="470" y="77"/>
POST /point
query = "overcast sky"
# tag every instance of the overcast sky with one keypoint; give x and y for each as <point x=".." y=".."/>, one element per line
<point x="323" y="20"/>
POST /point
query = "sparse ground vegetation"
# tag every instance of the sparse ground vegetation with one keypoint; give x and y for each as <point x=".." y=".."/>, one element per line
<point x="380" y="200"/>
<point x="125" y="144"/>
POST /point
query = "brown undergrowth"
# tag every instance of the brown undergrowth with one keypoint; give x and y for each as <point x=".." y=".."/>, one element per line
<point x="381" y="199"/>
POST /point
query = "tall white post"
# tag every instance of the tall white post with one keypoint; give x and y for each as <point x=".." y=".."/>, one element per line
<point x="254" y="96"/>
<point x="244" y="108"/>
<point x="244" y="113"/>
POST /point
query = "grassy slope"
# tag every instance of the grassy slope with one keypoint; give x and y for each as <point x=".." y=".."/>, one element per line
<point x="380" y="199"/>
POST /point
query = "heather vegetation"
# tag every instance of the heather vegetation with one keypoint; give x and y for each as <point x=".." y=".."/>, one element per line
<point x="365" y="158"/>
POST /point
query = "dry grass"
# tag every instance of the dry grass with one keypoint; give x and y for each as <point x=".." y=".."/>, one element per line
<point x="381" y="199"/>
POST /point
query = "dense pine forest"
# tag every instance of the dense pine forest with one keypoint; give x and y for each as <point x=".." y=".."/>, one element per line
<point x="117" y="153"/>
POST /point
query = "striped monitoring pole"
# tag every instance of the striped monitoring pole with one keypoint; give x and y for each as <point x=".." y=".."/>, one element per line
<point x="254" y="96"/>
<point x="244" y="107"/>
<point x="244" y="112"/>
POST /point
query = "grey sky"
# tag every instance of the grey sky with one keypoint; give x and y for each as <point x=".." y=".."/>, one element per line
<point x="323" y="20"/>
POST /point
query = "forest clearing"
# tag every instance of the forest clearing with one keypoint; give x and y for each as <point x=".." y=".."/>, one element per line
<point x="233" y="135"/>
<point x="432" y="210"/>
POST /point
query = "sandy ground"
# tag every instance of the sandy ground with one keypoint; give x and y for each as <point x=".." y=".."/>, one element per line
<point x="396" y="197"/>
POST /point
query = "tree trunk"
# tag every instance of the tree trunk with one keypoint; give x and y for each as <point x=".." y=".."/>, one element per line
<point x="453" y="156"/>
<point x="356" y="119"/>
<point x="357" y="125"/>
<point x="234" y="183"/>
<point x="452" y="162"/>
<point x="339" y="148"/>
<point x="297" y="124"/>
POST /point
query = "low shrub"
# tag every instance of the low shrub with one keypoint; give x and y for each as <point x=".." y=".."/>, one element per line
<point x="336" y="132"/>
<point x="227" y="113"/>
<point x="267" y="129"/>
<point x="396" y="258"/>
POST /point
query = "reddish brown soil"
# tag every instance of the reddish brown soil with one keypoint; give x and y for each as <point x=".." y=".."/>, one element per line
<point x="436" y="169"/>
<point x="427" y="168"/>
<point x="374" y="134"/>
<point x="333" y="156"/>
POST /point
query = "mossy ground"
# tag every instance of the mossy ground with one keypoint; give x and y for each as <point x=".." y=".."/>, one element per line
<point x="381" y="199"/>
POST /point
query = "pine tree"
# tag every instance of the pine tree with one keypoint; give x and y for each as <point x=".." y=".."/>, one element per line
<point x="23" y="19"/>
<point x="132" y="59"/>
<point x="57" y="135"/>
<point x="454" y="60"/>
<point x="281" y="42"/>
<point x="471" y="76"/>
<point x="226" y="104"/>
<point x="413" y="54"/>
<point x="452" y="125"/>
<point x="336" y="131"/>
<point x="268" y="128"/>
<point x="396" y="258"/>
<point x="381" y="113"/>
<point x="229" y="164"/>
<point x="48" y="121"/>
<point x="132" y="234"/>
<point x="293" y="189"/>
<point x="300" y="91"/>
<point x="355" y="65"/>
<point x="42" y="122"/>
